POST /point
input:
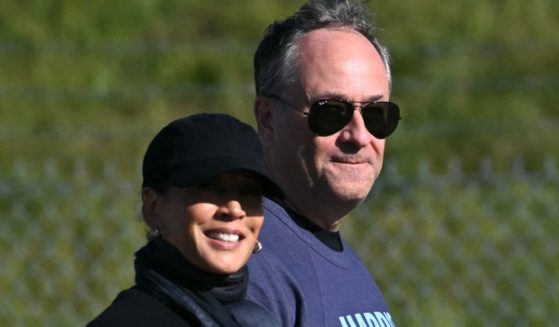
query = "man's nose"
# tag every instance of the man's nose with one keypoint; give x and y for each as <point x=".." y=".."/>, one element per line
<point x="356" y="131"/>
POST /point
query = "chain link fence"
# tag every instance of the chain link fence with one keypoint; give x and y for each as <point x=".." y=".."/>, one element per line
<point x="448" y="249"/>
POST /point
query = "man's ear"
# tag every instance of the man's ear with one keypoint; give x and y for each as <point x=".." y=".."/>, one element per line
<point x="150" y="204"/>
<point x="264" y="116"/>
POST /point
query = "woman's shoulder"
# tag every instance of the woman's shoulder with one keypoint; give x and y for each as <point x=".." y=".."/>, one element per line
<point x="133" y="307"/>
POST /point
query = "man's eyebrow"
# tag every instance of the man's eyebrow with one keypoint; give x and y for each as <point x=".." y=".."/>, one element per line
<point x="374" y="98"/>
<point x="339" y="96"/>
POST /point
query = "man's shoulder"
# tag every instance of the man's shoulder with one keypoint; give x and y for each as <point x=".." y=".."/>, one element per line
<point x="284" y="248"/>
<point x="278" y="223"/>
<point x="279" y="216"/>
<point x="280" y="233"/>
<point x="275" y="209"/>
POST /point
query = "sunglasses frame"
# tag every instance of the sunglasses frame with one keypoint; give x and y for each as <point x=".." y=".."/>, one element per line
<point x="386" y="106"/>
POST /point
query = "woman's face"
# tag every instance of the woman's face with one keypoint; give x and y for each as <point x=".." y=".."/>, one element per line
<point x="215" y="225"/>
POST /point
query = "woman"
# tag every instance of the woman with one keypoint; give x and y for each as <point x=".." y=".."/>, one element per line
<point x="203" y="182"/>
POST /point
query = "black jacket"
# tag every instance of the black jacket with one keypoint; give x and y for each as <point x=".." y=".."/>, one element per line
<point x="169" y="291"/>
<point x="133" y="307"/>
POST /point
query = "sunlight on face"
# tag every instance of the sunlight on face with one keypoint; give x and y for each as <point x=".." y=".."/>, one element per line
<point x="326" y="177"/>
<point x="215" y="225"/>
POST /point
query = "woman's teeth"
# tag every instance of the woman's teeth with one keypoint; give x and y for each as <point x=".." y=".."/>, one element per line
<point x="224" y="237"/>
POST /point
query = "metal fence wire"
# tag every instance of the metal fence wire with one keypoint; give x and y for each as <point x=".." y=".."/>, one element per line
<point x="452" y="249"/>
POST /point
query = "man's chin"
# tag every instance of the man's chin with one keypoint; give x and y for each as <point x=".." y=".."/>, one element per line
<point x="350" y="194"/>
<point x="340" y="193"/>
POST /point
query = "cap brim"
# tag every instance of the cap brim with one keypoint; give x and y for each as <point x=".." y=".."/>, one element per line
<point x="194" y="173"/>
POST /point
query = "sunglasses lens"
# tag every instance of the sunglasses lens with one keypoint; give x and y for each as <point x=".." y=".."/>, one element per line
<point x="326" y="117"/>
<point x="381" y="118"/>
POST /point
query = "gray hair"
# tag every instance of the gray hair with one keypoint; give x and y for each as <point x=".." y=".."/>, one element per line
<point x="276" y="55"/>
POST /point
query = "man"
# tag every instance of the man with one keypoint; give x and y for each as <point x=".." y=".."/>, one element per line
<point x="322" y="84"/>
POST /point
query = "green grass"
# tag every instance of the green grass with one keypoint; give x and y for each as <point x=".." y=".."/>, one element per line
<point x="84" y="86"/>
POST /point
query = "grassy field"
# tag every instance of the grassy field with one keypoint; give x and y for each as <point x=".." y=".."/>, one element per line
<point x="98" y="79"/>
<point x="84" y="86"/>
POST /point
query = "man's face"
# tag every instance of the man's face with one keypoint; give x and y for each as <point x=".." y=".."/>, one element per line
<point x="328" y="175"/>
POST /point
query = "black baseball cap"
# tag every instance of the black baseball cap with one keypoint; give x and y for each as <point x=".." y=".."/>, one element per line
<point x="195" y="148"/>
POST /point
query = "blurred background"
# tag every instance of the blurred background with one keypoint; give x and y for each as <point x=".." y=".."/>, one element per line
<point x="461" y="228"/>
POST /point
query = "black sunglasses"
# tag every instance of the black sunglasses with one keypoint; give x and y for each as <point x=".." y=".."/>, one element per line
<point x="329" y="116"/>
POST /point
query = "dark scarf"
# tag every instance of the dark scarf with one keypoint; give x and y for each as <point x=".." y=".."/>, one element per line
<point x="200" y="297"/>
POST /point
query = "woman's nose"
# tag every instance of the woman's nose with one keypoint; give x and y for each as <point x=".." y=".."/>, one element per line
<point x="232" y="209"/>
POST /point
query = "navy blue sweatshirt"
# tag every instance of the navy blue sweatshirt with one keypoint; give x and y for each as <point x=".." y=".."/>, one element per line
<point x="308" y="283"/>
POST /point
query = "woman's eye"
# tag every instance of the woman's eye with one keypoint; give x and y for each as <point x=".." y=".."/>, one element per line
<point x="207" y="187"/>
<point x="221" y="190"/>
<point x="251" y="196"/>
<point x="255" y="192"/>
